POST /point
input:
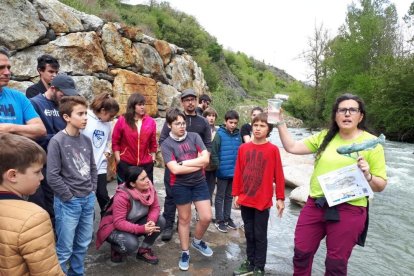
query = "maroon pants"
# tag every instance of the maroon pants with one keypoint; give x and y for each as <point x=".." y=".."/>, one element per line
<point x="341" y="237"/>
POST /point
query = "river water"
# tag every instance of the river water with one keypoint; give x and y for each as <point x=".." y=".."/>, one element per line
<point x="389" y="248"/>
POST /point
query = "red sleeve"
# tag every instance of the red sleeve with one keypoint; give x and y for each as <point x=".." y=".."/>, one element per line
<point x="280" y="178"/>
<point x="237" y="178"/>
<point x="154" y="210"/>
<point x="120" y="211"/>
<point x="117" y="135"/>
<point x="153" y="147"/>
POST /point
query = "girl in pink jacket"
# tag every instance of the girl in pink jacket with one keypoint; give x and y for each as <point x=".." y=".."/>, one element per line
<point x="134" y="138"/>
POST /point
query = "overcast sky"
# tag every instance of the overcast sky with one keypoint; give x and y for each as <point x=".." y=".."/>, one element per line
<point x="275" y="31"/>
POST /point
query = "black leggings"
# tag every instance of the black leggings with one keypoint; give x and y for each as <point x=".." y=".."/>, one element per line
<point x="128" y="243"/>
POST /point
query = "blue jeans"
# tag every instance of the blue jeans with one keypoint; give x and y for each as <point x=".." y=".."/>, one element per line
<point x="74" y="229"/>
<point x="224" y="199"/>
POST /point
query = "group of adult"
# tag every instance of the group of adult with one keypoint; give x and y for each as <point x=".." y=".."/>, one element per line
<point x="134" y="147"/>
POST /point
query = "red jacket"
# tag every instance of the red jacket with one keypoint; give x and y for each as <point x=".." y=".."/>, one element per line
<point x="257" y="168"/>
<point x="117" y="220"/>
<point x="135" y="149"/>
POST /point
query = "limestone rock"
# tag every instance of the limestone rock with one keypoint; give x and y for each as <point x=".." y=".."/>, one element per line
<point x="149" y="61"/>
<point x="20" y="23"/>
<point x="77" y="53"/>
<point x="117" y="48"/>
<point x="59" y="17"/>
<point x="297" y="175"/>
<point x="90" y="22"/>
<point x="20" y="86"/>
<point x="163" y="48"/>
<point x="300" y="195"/>
<point x="168" y="97"/>
<point x="127" y="83"/>
<point x="89" y="86"/>
<point x="180" y="71"/>
<point x="134" y="34"/>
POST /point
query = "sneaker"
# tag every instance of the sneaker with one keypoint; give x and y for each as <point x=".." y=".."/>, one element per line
<point x="203" y="248"/>
<point x="167" y="234"/>
<point x="116" y="257"/>
<point x="221" y="226"/>
<point x="258" y="272"/>
<point x="230" y="224"/>
<point x="147" y="255"/>
<point x="244" y="269"/>
<point x="184" y="262"/>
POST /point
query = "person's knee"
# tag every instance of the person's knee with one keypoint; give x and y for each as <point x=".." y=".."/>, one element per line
<point x="335" y="267"/>
<point x="184" y="220"/>
<point x="301" y="259"/>
<point x="131" y="243"/>
<point x="161" y="222"/>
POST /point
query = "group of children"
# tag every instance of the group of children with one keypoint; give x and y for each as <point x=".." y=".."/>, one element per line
<point x="76" y="171"/>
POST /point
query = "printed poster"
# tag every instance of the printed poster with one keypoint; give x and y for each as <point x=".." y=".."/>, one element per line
<point x="344" y="184"/>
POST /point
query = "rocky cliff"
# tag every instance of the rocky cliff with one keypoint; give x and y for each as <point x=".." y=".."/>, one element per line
<point x="101" y="56"/>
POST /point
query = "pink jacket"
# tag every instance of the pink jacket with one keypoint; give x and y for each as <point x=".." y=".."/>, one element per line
<point x="135" y="149"/>
<point x="117" y="220"/>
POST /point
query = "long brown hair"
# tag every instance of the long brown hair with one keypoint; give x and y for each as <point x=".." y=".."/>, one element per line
<point x="129" y="115"/>
<point x="334" y="128"/>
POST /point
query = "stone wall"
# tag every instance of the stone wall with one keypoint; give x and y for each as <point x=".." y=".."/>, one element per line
<point x="101" y="56"/>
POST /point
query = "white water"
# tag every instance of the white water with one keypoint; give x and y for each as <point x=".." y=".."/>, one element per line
<point x="389" y="249"/>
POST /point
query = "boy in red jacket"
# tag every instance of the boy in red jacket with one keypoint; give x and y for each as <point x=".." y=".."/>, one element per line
<point x="258" y="166"/>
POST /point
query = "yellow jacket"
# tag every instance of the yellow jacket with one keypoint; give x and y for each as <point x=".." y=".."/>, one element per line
<point x="27" y="245"/>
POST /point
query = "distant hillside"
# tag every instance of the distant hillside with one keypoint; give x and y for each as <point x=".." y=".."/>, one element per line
<point x="234" y="74"/>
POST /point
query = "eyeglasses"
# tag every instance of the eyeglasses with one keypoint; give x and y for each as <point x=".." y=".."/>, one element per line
<point x="2" y="67"/>
<point x="180" y="124"/>
<point x="352" y="110"/>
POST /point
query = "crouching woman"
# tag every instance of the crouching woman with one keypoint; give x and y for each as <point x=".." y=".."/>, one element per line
<point x="134" y="212"/>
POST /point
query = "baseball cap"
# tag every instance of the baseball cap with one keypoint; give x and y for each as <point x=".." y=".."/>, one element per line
<point x="188" y="92"/>
<point x="66" y="84"/>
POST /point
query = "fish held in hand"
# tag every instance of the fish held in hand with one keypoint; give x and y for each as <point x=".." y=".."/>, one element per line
<point x="367" y="145"/>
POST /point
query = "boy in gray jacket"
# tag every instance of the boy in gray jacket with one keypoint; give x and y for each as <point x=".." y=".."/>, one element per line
<point x="72" y="175"/>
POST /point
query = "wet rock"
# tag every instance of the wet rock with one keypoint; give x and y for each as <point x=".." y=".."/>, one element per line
<point x="20" y="23"/>
<point x="300" y="195"/>
<point x="297" y="175"/>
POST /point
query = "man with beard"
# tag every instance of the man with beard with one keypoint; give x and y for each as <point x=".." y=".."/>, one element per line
<point x="194" y="123"/>
<point x="47" y="106"/>
<point x="17" y="115"/>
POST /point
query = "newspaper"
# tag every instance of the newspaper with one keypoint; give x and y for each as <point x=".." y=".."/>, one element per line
<point x="344" y="184"/>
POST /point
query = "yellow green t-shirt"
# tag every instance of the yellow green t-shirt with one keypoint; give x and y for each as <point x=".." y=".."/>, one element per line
<point x="330" y="160"/>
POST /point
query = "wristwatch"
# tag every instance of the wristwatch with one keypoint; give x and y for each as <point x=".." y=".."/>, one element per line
<point x="180" y="163"/>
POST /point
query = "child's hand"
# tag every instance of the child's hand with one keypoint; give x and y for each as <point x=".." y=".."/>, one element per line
<point x="280" y="205"/>
<point x="236" y="205"/>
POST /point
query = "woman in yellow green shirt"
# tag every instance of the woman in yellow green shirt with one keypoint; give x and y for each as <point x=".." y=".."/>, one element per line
<point x="343" y="225"/>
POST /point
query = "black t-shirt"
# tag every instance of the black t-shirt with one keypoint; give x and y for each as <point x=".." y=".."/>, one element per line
<point x="35" y="89"/>
<point x="246" y="129"/>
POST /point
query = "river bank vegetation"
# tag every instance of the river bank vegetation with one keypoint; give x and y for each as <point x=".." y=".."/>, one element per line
<point x="370" y="55"/>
